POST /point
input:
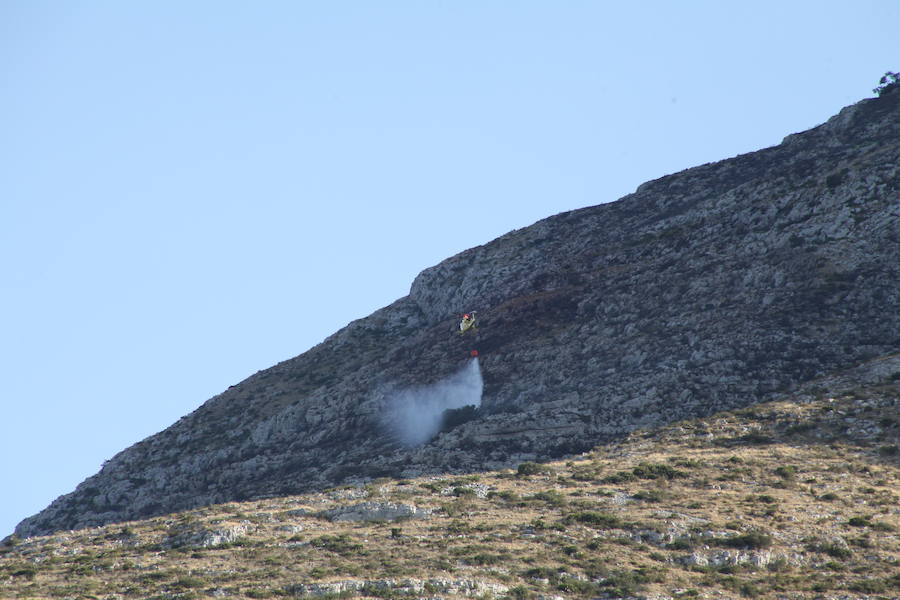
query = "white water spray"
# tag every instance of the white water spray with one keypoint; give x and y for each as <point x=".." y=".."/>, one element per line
<point x="414" y="414"/>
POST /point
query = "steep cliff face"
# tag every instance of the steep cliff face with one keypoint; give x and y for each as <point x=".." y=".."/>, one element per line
<point x="714" y="288"/>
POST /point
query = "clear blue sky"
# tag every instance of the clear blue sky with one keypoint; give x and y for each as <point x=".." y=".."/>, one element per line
<point x="194" y="191"/>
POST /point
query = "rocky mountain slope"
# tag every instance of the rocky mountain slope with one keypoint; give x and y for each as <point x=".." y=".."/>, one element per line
<point x="715" y="288"/>
<point x="788" y="499"/>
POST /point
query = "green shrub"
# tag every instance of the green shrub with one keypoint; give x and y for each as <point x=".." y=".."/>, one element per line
<point x="530" y="468"/>
<point x="463" y="505"/>
<point x="779" y="565"/>
<point x="752" y="539"/>
<point x="882" y="526"/>
<point x="339" y="544"/>
<point x="551" y="497"/>
<point x="548" y="573"/>
<point x="656" y="471"/>
<point x="836" y="550"/>
<point x="893" y="582"/>
<point x="756" y="438"/>
<point x="594" y="519"/>
<point x="578" y="587"/>
<point x="888" y="82"/>
<point x="624" y="583"/>
<point x="584" y="474"/>
<point x="787" y="472"/>
<point x="188" y="582"/>
<point x="454" y="417"/>
<point x="644" y="471"/>
<point x="685" y="542"/>
<point x="23" y="570"/>
<point x="485" y="558"/>
<point x="868" y="586"/>
<point x="519" y="592"/>
<point x="620" y="477"/>
<point x="859" y="522"/>
<point x="688" y="463"/>
<point x="651" y="495"/>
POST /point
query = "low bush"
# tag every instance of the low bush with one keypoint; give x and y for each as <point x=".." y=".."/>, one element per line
<point x="551" y="497"/>
<point x="787" y="472"/>
<point x="645" y="471"/>
<point x="530" y="468"/>
<point x="651" y="495"/>
<point x="831" y="549"/>
<point x="339" y="544"/>
<point x="752" y="539"/>
<point x="594" y="519"/>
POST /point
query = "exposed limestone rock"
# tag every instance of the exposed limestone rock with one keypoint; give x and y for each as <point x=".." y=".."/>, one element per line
<point x="479" y="490"/>
<point x="376" y="511"/>
<point x="403" y="587"/>
<point x="194" y="536"/>
<point x="719" y="558"/>
<point x="714" y="288"/>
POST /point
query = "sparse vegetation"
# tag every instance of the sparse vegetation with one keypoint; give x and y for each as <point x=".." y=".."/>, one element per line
<point x="718" y="519"/>
<point x="888" y="82"/>
<point x="645" y="471"/>
<point x="529" y="468"/>
<point x="752" y="539"/>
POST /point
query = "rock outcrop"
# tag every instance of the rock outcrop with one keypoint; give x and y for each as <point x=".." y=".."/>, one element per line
<point x="714" y="288"/>
<point x="376" y="511"/>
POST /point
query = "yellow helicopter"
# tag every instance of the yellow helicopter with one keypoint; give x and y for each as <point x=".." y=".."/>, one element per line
<point x="467" y="323"/>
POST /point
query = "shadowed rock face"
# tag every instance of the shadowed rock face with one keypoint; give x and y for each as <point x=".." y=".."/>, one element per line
<point x="714" y="288"/>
